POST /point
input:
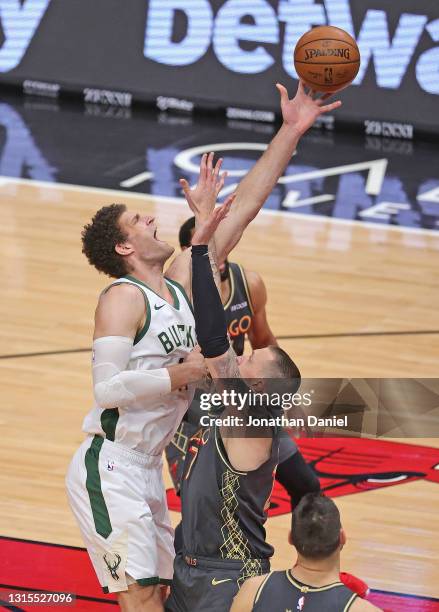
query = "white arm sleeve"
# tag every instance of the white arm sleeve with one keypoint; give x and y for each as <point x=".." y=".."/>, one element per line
<point x="114" y="385"/>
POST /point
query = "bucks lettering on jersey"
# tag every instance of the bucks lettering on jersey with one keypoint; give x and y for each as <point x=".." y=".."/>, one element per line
<point x="167" y="336"/>
<point x="177" y="335"/>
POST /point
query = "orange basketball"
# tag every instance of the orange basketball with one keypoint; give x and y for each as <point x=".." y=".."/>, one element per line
<point x="327" y="58"/>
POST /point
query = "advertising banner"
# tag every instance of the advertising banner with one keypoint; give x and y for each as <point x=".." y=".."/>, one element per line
<point x="223" y="54"/>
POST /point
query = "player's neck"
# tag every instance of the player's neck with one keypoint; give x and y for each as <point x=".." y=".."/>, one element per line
<point x="317" y="573"/>
<point x="151" y="275"/>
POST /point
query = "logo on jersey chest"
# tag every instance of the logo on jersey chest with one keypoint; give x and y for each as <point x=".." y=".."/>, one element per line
<point x="240" y="326"/>
<point x="175" y="336"/>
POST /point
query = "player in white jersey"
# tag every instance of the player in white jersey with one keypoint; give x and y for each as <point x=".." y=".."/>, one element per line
<point x="144" y="328"/>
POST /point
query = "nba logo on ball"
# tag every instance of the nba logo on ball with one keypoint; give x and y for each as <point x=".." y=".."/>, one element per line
<point x="328" y="75"/>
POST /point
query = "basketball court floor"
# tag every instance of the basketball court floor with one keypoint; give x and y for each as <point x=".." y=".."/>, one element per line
<point x="348" y="246"/>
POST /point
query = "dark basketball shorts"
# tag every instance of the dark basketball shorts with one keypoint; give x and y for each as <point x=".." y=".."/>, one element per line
<point x="208" y="585"/>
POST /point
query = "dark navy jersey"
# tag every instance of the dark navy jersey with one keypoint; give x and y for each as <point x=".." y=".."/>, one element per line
<point x="238" y="308"/>
<point x="280" y="591"/>
<point x="224" y="510"/>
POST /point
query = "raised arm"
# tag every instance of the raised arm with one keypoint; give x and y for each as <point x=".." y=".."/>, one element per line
<point x="298" y="116"/>
<point x="201" y="199"/>
<point x="210" y="318"/>
<point x="249" y="449"/>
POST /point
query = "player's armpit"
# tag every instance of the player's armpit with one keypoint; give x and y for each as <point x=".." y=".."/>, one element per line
<point x="121" y="311"/>
<point x="246" y="454"/>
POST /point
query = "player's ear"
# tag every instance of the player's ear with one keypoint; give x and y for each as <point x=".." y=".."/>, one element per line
<point x="124" y="248"/>
<point x="290" y="538"/>
<point x="342" y="538"/>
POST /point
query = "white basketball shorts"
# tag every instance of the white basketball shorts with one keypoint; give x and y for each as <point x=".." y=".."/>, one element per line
<point x="118" y="498"/>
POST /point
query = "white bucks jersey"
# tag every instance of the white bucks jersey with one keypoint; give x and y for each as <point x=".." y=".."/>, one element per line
<point x="166" y="338"/>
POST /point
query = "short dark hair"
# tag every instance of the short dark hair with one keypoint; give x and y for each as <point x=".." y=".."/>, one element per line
<point x="99" y="239"/>
<point x="185" y="233"/>
<point x="316" y="526"/>
<point x="285" y="366"/>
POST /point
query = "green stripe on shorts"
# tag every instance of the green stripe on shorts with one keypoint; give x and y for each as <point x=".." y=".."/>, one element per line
<point x="109" y="419"/>
<point x="93" y="483"/>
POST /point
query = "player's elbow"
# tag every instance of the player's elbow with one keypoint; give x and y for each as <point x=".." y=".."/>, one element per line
<point x="112" y="394"/>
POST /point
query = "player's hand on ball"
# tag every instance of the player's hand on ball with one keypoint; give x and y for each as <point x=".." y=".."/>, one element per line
<point x="202" y="198"/>
<point x="304" y="108"/>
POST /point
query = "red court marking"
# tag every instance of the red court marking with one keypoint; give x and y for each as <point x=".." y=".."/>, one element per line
<point x="350" y="465"/>
<point x="394" y="602"/>
<point x="47" y="567"/>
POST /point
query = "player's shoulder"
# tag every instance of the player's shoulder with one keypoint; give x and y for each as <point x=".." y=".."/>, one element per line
<point x="121" y="290"/>
<point x="256" y="288"/>
<point x="124" y="300"/>
<point x="244" y="599"/>
<point x="361" y="605"/>
<point x="253" y="278"/>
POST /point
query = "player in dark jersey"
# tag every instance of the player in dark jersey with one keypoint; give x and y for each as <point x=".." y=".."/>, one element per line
<point x="244" y="298"/>
<point x="312" y="585"/>
<point x="227" y="481"/>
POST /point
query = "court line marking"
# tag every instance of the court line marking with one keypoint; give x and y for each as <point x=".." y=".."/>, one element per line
<point x="67" y="546"/>
<point x="9" y="606"/>
<point x="426" y="332"/>
<point x="5" y="180"/>
<point x="137" y="179"/>
<point x="356" y="334"/>
<point x="408" y="595"/>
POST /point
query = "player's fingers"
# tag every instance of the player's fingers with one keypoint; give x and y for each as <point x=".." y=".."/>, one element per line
<point x="283" y="93"/>
<point x="217" y="168"/>
<point x="187" y="194"/>
<point x="220" y="183"/>
<point x="203" y="168"/>
<point x="330" y="107"/>
<point x="301" y="87"/>
<point x="184" y="185"/>
<point x="229" y="201"/>
<point x="326" y="96"/>
<point x="209" y="164"/>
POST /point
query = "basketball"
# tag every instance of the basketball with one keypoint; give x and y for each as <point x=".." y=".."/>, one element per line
<point x="327" y="59"/>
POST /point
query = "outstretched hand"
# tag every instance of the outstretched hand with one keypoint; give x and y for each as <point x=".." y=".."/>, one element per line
<point x="206" y="229"/>
<point x="302" y="110"/>
<point x="202" y="198"/>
